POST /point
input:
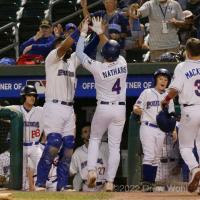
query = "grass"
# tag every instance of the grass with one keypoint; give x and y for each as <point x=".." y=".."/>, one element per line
<point x="61" y="196"/>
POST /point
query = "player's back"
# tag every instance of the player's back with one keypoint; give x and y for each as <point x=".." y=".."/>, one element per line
<point x="110" y="80"/>
<point x="188" y="82"/>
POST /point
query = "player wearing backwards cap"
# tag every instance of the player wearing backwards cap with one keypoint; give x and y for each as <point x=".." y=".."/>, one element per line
<point x="33" y="128"/>
<point x="110" y="81"/>
<point x="152" y="138"/>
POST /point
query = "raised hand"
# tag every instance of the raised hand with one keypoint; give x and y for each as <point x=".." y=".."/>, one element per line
<point x="97" y="25"/>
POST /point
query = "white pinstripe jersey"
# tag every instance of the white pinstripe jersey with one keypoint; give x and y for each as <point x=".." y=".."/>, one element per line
<point x="60" y="77"/>
<point x="33" y="122"/>
<point x="186" y="81"/>
<point x="149" y="100"/>
<point x="110" y="78"/>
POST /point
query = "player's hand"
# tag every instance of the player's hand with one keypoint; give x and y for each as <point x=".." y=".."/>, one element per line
<point x="164" y="104"/>
<point x="38" y="35"/>
<point x="97" y="25"/>
<point x="84" y="26"/>
<point x="27" y="49"/>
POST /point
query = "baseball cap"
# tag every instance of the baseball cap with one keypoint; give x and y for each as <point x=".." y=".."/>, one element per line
<point x="69" y="26"/>
<point x="45" y="23"/>
<point x="114" y="28"/>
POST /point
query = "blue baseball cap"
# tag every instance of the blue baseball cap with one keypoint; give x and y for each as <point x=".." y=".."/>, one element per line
<point x="69" y="26"/>
<point x="114" y="28"/>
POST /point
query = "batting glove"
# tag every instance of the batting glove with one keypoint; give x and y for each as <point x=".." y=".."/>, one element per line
<point x="97" y="25"/>
<point x="84" y="27"/>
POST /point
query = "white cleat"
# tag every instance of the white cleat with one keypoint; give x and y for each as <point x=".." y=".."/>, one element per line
<point x="194" y="182"/>
<point x="40" y="189"/>
<point x="109" y="187"/>
<point x="92" y="177"/>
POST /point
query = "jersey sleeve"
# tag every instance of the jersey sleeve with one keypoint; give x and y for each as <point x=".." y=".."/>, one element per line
<point x="177" y="80"/>
<point x="76" y="60"/>
<point x="145" y="9"/>
<point x="74" y="164"/>
<point x="141" y="101"/>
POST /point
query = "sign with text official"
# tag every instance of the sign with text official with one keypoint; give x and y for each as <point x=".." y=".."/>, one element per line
<point x="85" y="88"/>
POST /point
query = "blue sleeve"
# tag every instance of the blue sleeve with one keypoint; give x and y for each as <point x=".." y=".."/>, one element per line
<point x="25" y="44"/>
<point x="46" y="48"/>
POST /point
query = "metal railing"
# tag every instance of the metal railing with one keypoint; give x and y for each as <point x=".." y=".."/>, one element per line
<point x="69" y="17"/>
<point x="15" y="44"/>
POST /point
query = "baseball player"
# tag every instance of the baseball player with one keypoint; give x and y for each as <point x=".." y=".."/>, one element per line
<point x="110" y="82"/>
<point x="59" y="118"/>
<point x="152" y="138"/>
<point x="186" y="84"/>
<point x="78" y="164"/>
<point x="33" y="128"/>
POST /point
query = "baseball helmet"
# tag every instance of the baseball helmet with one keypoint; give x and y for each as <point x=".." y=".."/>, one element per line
<point x="165" y="121"/>
<point x="28" y="90"/>
<point x="163" y="72"/>
<point x="168" y="57"/>
<point x="111" y="50"/>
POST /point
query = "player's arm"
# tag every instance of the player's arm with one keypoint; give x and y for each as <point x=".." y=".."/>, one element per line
<point x="30" y="175"/>
<point x="171" y="95"/>
<point x="98" y="28"/>
<point x="67" y="43"/>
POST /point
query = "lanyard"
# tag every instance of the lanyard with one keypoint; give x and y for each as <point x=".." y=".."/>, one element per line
<point x="163" y="12"/>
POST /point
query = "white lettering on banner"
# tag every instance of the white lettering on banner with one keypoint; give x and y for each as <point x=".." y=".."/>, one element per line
<point x="133" y="85"/>
<point x="5" y="86"/>
<point x="87" y="86"/>
<point x="147" y="84"/>
<point x="17" y="86"/>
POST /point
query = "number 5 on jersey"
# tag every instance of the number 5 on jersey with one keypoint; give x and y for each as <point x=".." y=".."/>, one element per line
<point x="116" y="87"/>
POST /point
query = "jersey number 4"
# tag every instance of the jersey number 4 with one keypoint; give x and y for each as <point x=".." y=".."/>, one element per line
<point x="116" y="87"/>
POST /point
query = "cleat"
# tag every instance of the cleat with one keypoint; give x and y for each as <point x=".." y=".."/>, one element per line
<point x="92" y="177"/>
<point x="194" y="182"/>
<point x="109" y="187"/>
<point x="40" y="189"/>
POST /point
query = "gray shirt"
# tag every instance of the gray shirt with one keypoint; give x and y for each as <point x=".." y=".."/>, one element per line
<point x="162" y="12"/>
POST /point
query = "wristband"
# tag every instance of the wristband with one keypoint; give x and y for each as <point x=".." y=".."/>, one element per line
<point x="75" y="35"/>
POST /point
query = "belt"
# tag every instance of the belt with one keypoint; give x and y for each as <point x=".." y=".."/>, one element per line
<point x="63" y="102"/>
<point x="31" y="143"/>
<point x="186" y="105"/>
<point x="122" y="103"/>
<point x="165" y="160"/>
<point x="97" y="183"/>
<point x="151" y="125"/>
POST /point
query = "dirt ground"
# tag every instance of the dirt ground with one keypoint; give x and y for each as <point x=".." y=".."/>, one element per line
<point x="155" y="196"/>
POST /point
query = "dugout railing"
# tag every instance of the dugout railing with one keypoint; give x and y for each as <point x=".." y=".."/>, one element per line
<point x="16" y="150"/>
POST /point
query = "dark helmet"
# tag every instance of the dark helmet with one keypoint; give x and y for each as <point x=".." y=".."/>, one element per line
<point x="28" y="90"/>
<point x="163" y="72"/>
<point x="168" y="57"/>
<point x="111" y="50"/>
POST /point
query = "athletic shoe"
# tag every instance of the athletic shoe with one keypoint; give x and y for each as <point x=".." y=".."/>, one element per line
<point x="194" y="182"/>
<point x="109" y="187"/>
<point x="92" y="177"/>
<point x="40" y="189"/>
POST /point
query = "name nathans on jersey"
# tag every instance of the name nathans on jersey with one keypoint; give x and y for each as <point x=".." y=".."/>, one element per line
<point x="31" y="124"/>
<point x="112" y="72"/>
<point x="62" y="72"/>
